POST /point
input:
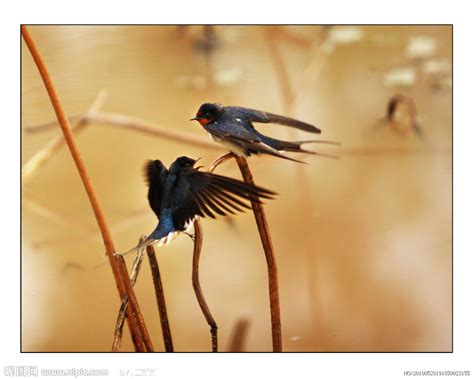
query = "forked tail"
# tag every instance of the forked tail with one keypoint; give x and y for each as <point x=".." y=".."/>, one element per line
<point x="160" y="236"/>
<point x="295" y="146"/>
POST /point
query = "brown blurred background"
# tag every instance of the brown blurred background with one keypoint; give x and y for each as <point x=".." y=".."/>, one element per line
<point x="364" y="243"/>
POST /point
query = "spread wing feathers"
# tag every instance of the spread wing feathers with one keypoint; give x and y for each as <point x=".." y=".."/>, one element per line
<point x="208" y="194"/>
<point x="155" y="174"/>
<point x="265" y="117"/>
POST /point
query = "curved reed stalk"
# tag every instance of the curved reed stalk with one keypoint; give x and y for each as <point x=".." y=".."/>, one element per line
<point x="272" y="269"/>
<point x="55" y="144"/>
<point x="135" y="320"/>
<point x="118" y="120"/>
<point x="197" y="286"/>
<point x="160" y="299"/>
<point x="118" y="331"/>
<point x="265" y="237"/>
<point x="239" y="335"/>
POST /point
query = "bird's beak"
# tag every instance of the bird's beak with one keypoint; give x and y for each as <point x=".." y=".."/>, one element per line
<point x="202" y="120"/>
<point x="196" y="161"/>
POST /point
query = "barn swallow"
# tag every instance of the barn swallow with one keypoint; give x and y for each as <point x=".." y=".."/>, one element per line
<point x="233" y="128"/>
<point x="178" y="195"/>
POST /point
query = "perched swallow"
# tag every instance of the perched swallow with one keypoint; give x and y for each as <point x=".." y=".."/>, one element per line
<point x="233" y="128"/>
<point x="178" y="195"/>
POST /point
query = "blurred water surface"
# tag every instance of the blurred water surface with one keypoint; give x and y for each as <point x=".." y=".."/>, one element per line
<point x="363" y="243"/>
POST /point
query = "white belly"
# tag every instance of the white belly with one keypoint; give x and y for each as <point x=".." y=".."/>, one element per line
<point x="236" y="149"/>
<point x="167" y="240"/>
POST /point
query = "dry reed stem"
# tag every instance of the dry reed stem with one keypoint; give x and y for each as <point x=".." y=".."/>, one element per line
<point x="54" y="216"/>
<point x="292" y="38"/>
<point x="134" y="317"/>
<point x="309" y="76"/>
<point x="118" y="332"/>
<point x="280" y="68"/>
<point x="219" y="161"/>
<point x="140" y="334"/>
<point x="363" y="151"/>
<point x="160" y="299"/>
<point x="290" y="97"/>
<point x="55" y="144"/>
<point x="197" y="286"/>
<point x="272" y="269"/>
<point x="136" y="216"/>
<point x="307" y="79"/>
<point x="239" y="335"/>
<point x="93" y="235"/>
<point x="136" y="124"/>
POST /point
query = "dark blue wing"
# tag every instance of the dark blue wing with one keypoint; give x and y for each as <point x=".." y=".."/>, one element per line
<point x="205" y="194"/>
<point x="266" y="117"/>
<point x="155" y="175"/>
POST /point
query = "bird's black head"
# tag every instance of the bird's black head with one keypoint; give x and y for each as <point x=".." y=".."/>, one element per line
<point x="208" y="112"/>
<point x="182" y="162"/>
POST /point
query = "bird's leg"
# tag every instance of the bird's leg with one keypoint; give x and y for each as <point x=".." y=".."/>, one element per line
<point x="220" y="160"/>
<point x="190" y="235"/>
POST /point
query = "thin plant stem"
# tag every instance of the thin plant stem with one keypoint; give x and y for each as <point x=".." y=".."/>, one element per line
<point x="135" y="124"/>
<point x="134" y="317"/>
<point x="289" y="99"/>
<point x="197" y="286"/>
<point x="219" y="161"/>
<point x="239" y="334"/>
<point x="272" y="269"/>
<point x="134" y="305"/>
<point x="118" y="332"/>
<point x="280" y="68"/>
<point x="55" y="144"/>
<point x="55" y="216"/>
<point x="309" y="75"/>
<point x="160" y="299"/>
<point x="118" y="227"/>
<point x="300" y="41"/>
<point x="403" y="151"/>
